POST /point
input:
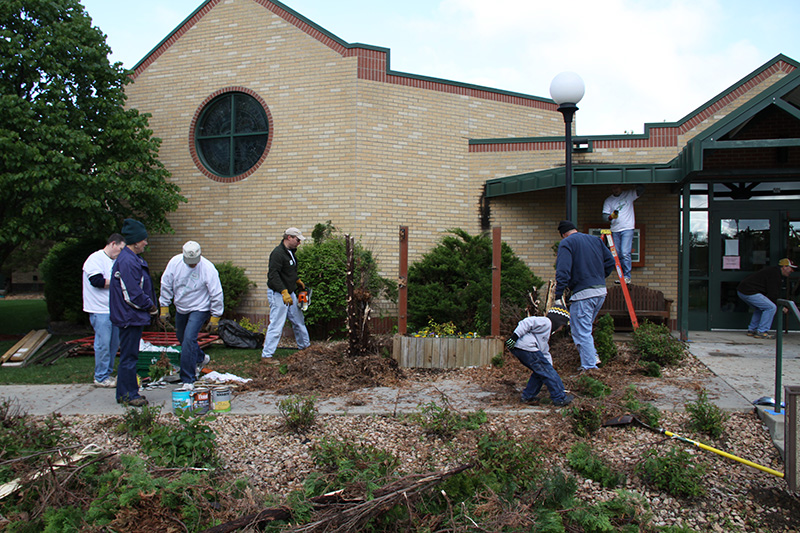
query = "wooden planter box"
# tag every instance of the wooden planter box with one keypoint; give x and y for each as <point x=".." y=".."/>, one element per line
<point x="444" y="352"/>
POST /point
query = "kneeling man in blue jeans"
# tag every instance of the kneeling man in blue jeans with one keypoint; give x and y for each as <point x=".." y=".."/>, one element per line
<point x="530" y="343"/>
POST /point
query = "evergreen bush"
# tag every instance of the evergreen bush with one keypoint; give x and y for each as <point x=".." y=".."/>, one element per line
<point x="654" y="342"/>
<point x="604" y="338"/>
<point x="235" y="285"/>
<point x="322" y="267"/>
<point x="62" y="271"/>
<point x="453" y="282"/>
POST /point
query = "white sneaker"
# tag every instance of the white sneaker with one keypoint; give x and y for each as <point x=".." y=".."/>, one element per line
<point x="201" y="366"/>
<point x="186" y="386"/>
<point x="107" y="383"/>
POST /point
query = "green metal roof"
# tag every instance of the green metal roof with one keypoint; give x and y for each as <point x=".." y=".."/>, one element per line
<point x="582" y="175"/>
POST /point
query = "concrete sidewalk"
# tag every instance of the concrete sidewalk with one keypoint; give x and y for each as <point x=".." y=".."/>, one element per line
<point x="743" y="368"/>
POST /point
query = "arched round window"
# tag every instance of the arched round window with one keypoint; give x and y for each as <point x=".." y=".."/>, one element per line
<point x="231" y="135"/>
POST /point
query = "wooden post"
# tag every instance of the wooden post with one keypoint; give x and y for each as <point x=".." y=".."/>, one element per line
<point x="496" y="261"/>
<point x="402" y="312"/>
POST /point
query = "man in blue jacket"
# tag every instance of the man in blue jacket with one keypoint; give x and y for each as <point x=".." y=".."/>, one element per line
<point x="132" y="305"/>
<point x="582" y="265"/>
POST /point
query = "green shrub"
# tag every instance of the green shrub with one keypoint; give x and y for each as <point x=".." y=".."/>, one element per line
<point x="705" y="417"/>
<point x="604" y="339"/>
<point x="651" y="368"/>
<point x="558" y="489"/>
<point x="344" y="463"/>
<point x="140" y="421"/>
<point x="322" y="267"/>
<point x="654" y="342"/>
<point x="235" y="285"/>
<point x="62" y="271"/>
<point x="453" y="283"/>
<point x="581" y="458"/>
<point x="299" y="412"/>
<point x="646" y="412"/>
<point x="442" y="421"/>
<point x="585" y="420"/>
<point x="675" y="472"/>
<point x="592" y="387"/>
<point x="190" y="443"/>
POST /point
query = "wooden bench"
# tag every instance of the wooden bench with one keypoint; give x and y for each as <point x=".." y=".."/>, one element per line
<point x="648" y="304"/>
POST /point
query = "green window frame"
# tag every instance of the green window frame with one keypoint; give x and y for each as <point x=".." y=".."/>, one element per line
<point x="231" y="135"/>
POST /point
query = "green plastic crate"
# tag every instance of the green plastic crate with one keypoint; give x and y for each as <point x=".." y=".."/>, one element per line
<point x="146" y="359"/>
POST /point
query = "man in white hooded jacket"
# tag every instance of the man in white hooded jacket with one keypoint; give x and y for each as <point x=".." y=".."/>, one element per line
<point x="192" y="282"/>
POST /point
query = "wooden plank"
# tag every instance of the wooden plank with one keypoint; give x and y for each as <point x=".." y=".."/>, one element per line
<point x="17" y="346"/>
<point x="34" y="342"/>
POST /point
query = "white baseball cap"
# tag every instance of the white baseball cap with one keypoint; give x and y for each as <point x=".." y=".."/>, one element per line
<point x="294" y="232"/>
<point x="191" y="253"/>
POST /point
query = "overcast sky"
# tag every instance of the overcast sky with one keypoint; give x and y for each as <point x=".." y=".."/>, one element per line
<point x="641" y="60"/>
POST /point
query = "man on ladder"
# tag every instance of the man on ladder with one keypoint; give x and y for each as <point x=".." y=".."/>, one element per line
<point x="582" y="265"/>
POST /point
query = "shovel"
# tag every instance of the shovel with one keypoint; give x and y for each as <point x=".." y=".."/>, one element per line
<point x="626" y="420"/>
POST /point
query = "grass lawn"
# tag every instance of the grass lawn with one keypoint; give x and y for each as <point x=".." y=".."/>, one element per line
<point x="18" y="317"/>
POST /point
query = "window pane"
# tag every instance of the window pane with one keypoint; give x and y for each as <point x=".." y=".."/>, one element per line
<point x="216" y="155"/>
<point x="698" y="295"/>
<point x="217" y="118"/>
<point x="250" y="116"/>
<point x="698" y="245"/>
<point x="747" y="239"/>
<point x="248" y="151"/>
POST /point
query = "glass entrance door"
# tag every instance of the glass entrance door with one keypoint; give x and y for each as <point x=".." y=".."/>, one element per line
<point x="740" y="244"/>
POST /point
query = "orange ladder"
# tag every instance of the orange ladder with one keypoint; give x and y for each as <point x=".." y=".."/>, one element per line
<point x="634" y="322"/>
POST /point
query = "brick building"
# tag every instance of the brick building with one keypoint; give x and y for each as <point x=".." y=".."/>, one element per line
<point x="270" y="121"/>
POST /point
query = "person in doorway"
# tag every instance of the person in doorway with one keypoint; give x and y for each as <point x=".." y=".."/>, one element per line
<point x="618" y="209"/>
<point x="96" y="281"/>
<point x="530" y="343"/>
<point x="582" y="264"/>
<point x="192" y="282"/>
<point x="132" y="305"/>
<point x="282" y="280"/>
<point x="760" y="291"/>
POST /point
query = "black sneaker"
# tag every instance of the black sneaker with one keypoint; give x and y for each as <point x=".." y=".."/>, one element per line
<point x="530" y="401"/>
<point x="566" y="401"/>
<point x="139" y="401"/>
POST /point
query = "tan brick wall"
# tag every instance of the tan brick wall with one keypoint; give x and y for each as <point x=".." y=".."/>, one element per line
<point x="368" y="156"/>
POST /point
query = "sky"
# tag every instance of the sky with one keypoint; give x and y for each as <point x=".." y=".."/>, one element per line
<point x="640" y="60"/>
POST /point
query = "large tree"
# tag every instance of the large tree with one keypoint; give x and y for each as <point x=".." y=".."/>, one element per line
<point x="73" y="160"/>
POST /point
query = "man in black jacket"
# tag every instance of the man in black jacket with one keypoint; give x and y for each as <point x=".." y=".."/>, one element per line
<point x="760" y="291"/>
<point x="282" y="280"/>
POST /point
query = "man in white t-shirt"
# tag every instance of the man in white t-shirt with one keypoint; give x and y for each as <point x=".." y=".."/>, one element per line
<point x="192" y="283"/>
<point x="96" y="279"/>
<point x="618" y="208"/>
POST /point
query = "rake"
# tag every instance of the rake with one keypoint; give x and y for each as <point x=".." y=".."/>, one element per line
<point x="627" y="420"/>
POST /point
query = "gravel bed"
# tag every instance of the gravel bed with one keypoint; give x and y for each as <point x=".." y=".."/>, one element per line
<point x="276" y="461"/>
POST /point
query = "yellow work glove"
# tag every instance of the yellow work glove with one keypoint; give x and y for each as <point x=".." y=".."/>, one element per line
<point x="164" y="313"/>
<point x="213" y="324"/>
<point x="287" y="298"/>
<point x="301" y="284"/>
<point x="614" y="215"/>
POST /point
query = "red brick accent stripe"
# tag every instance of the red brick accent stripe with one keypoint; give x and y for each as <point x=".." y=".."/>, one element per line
<point x="656" y="136"/>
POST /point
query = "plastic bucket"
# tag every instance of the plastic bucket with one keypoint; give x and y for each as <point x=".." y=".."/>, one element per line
<point x="181" y="399"/>
<point x="221" y="399"/>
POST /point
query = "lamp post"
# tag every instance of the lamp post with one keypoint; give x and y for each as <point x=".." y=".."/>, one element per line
<point x="566" y="90"/>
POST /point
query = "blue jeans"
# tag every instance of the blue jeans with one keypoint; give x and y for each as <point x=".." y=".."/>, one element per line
<point x="542" y="373"/>
<point x="582" y="314"/>
<point x="127" y="386"/>
<point x="187" y="327"/>
<point x="278" y="312"/>
<point x="763" y="311"/>
<point x="623" y="240"/>
<point x="106" y="344"/>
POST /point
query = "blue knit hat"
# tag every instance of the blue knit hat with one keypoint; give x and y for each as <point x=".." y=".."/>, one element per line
<point x="133" y="231"/>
